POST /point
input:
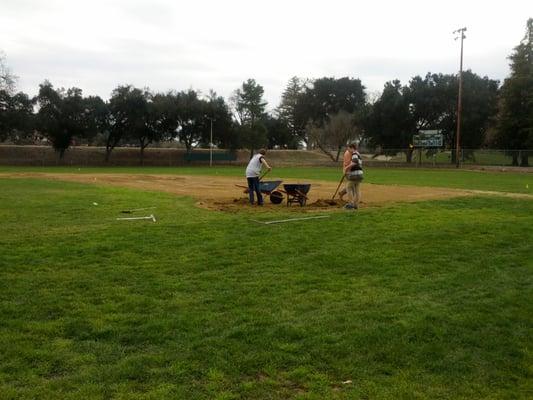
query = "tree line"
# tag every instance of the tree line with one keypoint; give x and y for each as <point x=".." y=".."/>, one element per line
<point x="322" y="113"/>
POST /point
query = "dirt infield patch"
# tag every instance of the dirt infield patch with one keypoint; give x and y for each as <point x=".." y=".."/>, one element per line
<point x="222" y="193"/>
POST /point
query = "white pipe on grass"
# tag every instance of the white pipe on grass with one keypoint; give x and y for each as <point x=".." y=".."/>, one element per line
<point x="136" y="218"/>
<point x="289" y="220"/>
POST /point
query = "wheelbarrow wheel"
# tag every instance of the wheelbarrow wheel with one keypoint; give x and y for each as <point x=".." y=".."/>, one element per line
<point x="276" y="197"/>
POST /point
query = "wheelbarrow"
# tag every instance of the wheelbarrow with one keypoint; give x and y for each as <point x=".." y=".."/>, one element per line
<point x="297" y="193"/>
<point x="268" y="188"/>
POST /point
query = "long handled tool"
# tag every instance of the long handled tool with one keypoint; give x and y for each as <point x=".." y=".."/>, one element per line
<point x="340" y="183"/>
<point x="289" y="220"/>
<point x="150" y="217"/>
<point x="264" y="173"/>
<point x="260" y="178"/>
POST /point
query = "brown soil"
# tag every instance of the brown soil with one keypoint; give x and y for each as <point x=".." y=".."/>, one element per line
<point x="224" y="193"/>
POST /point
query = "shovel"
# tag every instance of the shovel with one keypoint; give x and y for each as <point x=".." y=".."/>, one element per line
<point x="264" y="173"/>
<point x="340" y="183"/>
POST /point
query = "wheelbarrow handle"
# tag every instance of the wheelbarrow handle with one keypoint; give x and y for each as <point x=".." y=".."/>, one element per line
<point x="301" y="194"/>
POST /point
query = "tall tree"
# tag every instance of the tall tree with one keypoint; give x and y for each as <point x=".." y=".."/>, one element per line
<point x="432" y="100"/>
<point x="8" y="80"/>
<point x="16" y="109"/>
<point x="249" y="103"/>
<point x="292" y="109"/>
<point x="128" y="108"/>
<point x="390" y="124"/>
<point x="252" y="136"/>
<point x="16" y="115"/>
<point x="217" y="111"/>
<point x="279" y="134"/>
<point x="480" y="105"/>
<point x="191" y="118"/>
<point x="432" y="105"/>
<point x="162" y="119"/>
<point x="249" y="107"/>
<point x="515" y="118"/>
<point x="61" y="115"/>
<point x="325" y="98"/>
<point x="328" y="96"/>
<point x="148" y="130"/>
<point x="97" y="115"/>
<point x="336" y="132"/>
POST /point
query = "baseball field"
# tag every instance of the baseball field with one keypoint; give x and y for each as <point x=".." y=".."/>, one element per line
<point x="425" y="292"/>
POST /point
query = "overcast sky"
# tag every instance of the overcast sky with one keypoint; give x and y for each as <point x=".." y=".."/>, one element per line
<point x="204" y="44"/>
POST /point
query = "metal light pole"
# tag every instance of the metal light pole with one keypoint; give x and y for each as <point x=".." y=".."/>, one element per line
<point x="211" y="142"/>
<point x="461" y="33"/>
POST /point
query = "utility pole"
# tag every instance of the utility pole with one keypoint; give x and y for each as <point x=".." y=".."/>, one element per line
<point x="461" y="33"/>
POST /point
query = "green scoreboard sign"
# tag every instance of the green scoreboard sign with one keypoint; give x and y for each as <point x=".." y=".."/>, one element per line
<point x="428" y="138"/>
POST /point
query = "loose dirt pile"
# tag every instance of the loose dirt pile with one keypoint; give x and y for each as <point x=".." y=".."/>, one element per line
<point x="222" y="193"/>
<point x="327" y="203"/>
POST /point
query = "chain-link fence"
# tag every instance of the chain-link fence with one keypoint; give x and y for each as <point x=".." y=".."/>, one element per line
<point x="88" y="156"/>
<point x="158" y="156"/>
<point x="432" y="157"/>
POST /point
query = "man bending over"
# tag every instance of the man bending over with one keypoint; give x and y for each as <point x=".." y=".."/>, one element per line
<point x="253" y="171"/>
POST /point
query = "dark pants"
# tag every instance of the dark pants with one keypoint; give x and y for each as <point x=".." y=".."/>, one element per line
<point x="253" y="186"/>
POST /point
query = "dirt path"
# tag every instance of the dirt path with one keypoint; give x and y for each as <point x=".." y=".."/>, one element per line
<point x="221" y="193"/>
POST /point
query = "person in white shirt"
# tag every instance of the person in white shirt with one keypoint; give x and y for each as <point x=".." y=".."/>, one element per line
<point x="253" y="171"/>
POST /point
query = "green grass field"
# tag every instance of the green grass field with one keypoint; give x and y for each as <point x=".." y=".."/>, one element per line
<point x="429" y="300"/>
